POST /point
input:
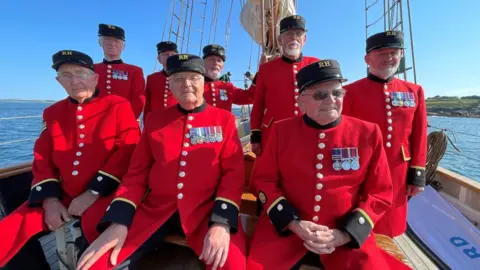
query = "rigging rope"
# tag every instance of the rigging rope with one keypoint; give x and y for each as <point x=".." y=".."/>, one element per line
<point x="16" y="141"/>
<point x="190" y="24"/>
<point x="165" y="25"/>
<point x="203" y="25"/>
<point x="216" y="21"/>
<point x="227" y="30"/>
<point x="171" y="21"/>
<point x="20" y="117"/>
<point x="212" y="21"/>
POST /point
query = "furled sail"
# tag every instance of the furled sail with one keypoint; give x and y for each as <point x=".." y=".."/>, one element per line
<point x="263" y="25"/>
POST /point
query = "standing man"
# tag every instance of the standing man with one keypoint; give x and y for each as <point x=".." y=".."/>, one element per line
<point x="80" y="157"/>
<point x="186" y="175"/>
<point x="324" y="182"/>
<point x="218" y="93"/>
<point x="116" y="77"/>
<point x="157" y="93"/>
<point x="398" y="108"/>
<point x="276" y="89"/>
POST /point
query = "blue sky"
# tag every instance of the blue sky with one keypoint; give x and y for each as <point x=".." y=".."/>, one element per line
<point x="446" y="39"/>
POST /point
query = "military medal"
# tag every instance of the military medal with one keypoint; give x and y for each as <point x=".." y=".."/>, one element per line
<point x="211" y="134"/>
<point x="115" y="74"/>
<point x="354" y="164"/>
<point x="223" y="95"/>
<point x="336" y="157"/>
<point x="200" y="138"/>
<point x="218" y="133"/>
<point x="193" y="136"/>
<point x="125" y="76"/>
<point x="394" y="99"/>
<point x="346" y="159"/>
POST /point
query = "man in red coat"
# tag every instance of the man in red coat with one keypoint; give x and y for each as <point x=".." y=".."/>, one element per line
<point x="157" y="93"/>
<point x="82" y="153"/>
<point x="398" y="108"/>
<point x="276" y="89"/>
<point x="323" y="181"/>
<point x="186" y="176"/>
<point x="117" y="77"/>
<point x="218" y="93"/>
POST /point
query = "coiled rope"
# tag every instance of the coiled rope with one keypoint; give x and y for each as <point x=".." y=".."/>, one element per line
<point x="436" y="149"/>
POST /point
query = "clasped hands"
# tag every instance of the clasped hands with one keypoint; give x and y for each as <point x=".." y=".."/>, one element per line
<point x="318" y="239"/>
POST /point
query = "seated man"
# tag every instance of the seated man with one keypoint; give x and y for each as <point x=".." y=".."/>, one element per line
<point x="218" y="93"/>
<point x="323" y="181"/>
<point x="186" y="174"/>
<point x="83" y="151"/>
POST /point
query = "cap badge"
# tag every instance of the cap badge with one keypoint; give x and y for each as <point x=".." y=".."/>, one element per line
<point x="183" y="57"/>
<point x="67" y="53"/>
<point x="391" y="33"/>
<point x="296" y="17"/>
<point x="325" y="63"/>
<point x="111" y="27"/>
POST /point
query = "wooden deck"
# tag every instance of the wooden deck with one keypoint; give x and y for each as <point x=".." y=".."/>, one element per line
<point x="414" y="254"/>
<point x="49" y="248"/>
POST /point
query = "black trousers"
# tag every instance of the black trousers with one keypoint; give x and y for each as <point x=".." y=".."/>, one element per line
<point x="30" y="256"/>
<point x="172" y="226"/>
<point x="311" y="259"/>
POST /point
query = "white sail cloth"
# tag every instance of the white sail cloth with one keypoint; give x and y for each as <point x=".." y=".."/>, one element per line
<point x="251" y="18"/>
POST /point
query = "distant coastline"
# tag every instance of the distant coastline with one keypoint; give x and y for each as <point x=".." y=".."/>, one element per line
<point x="28" y="100"/>
<point x="468" y="107"/>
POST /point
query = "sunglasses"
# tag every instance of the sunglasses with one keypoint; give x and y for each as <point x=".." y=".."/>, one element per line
<point x="322" y="95"/>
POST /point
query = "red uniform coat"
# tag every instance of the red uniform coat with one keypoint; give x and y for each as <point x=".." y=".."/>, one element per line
<point x="81" y="146"/>
<point x="276" y="94"/>
<point x="223" y="94"/>
<point x="186" y="161"/>
<point x="123" y="80"/>
<point x="295" y="178"/>
<point x="157" y="93"/>
<point x="398" y="108"/>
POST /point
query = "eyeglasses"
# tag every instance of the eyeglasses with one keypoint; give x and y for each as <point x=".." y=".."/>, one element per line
<point x="191" y="79"/>
<point x="322" y="95"/>
<point x="68" y="77"/>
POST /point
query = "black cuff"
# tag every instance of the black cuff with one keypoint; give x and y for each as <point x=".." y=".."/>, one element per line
<point x="225" y="213"/>
<point x="358" y="226"/>
<point x="120" y="211"/>
<point x="254" y="81"/>
<point x="416" y="177"/>
<point x="281" y="214"/>
<point x="47" y="189"/>
<point x="103" y="183"/>
<point x="256" y="136"/>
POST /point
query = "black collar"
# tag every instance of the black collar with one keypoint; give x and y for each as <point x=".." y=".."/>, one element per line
<point x="207" y="79"/>
<point x="119" y="61"/>
<point x="290" y="61"/>
<point x="311" y="123"/>
<point x="95" y="94"/>
<point x="380" y="80"/>
<point x="164" y="72"/>
<point x="198" y="109"/>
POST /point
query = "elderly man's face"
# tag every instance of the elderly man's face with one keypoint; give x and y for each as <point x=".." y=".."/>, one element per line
<point x="111" y="45"/>
<point x="213" y="66"/>
<point x="79" y="82"/>
<point x="323" y="101"/>
<point x="162" y="57"/>
<point x="187" y="87"/>
<point x="292" y="41"/>
<point x="384" y="62"/>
